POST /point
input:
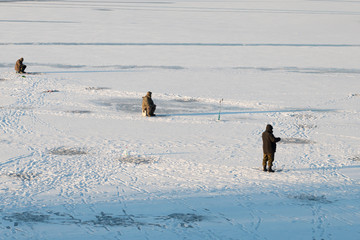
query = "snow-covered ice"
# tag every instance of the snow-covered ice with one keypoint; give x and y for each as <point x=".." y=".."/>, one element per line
<point x="79" y="161"/>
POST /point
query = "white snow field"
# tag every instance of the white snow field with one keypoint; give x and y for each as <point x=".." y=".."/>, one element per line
<point x="78" y="161"/>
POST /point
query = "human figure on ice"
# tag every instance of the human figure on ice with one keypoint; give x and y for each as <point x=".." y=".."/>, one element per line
<point x="19" y="66"/>
<point x="269" y="147"/>
<point x="148" y="106"/>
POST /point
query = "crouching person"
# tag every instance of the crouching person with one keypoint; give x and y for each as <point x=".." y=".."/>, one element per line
<point x="19" y="66"/>
<point x="148" y="106"/>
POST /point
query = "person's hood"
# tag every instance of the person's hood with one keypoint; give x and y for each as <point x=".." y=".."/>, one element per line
<point x="148" y="94"/>
<point x="21" y="59"/>
<point x="269" y="128"/>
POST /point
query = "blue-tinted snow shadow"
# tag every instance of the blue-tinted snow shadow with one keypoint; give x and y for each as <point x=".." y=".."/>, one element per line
<point x="188" y="44"/>
<point x="105" y="69"/>
<point x="89" y="71"/>
<point x="165" y="108"/>
<point x="33" y="21"/>
<point x="304" y="70"/>
<point x="246" y="112"/>
<point x="208" y="216"/>
<point x="116" y="68"/>
<point x="178" y="107"/>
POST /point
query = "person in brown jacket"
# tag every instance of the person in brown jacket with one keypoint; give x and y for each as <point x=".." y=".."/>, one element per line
<point x="269" y="147"/>
<point x="19" y="66"/>
<point x="148" y="105"/>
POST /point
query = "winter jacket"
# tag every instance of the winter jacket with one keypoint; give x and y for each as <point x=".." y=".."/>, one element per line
<point x="147" y="102"/>
<point x="18" y="65"/>
<point x="269" y="141"/>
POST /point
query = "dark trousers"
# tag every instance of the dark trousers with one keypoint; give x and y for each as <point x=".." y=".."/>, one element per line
<point x="150" y="110"/>
<point x="268" y="159"/>
<point x="22" y="69"/>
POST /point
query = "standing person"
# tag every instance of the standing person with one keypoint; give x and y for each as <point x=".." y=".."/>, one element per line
<point x="148" y="105"/>
<point x="269" y="147"/>
<point x="19" y="66"/>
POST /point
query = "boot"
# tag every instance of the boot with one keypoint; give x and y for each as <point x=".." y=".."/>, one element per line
<point x="264" y="169"/>
<point x="270" y="170"/>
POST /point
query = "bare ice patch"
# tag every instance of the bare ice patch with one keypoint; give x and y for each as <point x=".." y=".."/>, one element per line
<point x="311" y="198"/>
<point x="23" y="175"/>
<point x="104" y="219"/>
<point x="136" y="160"/>
<point x="186" y="100"/>
<point x="79" y="111"/>
<point x="38" y="217"/>
<point x="96" y="88"/>
<point x="125" y="220"/>
<point x="103" y="9"/>
<point x="185" y="219"/>
<point x="296" y="141"/>
<point x="51" y="91"/>
<point x="168" y="107"/>
<point x="27" y="217"/>
<point x="67" y="151"/>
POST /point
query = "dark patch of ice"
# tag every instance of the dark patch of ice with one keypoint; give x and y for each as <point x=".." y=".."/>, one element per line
<point x="96" y="88"/>
<point x="130" y="105"/>
<point x="103" y="9"/>
<point x="186" y="100"/>
<point x="23" y="176"/>
<point x="108" y="220"/>
<point x="27" y="217"/>
<point x="103" y="219"/>
<point x="125" y="220"/>
<point x="51" y="91"/>
<point x="79" y="111"/>
<point x="37" y="217"/>
<point x="185" y="219"/>
<point x="166" y="107"/>
<point x="311" y="198"/>
<point x="67" y="151"/>
<point x="136" y="160"/>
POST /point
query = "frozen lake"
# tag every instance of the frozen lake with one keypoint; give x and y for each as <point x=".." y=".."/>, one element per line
<point x="79" y="161"/>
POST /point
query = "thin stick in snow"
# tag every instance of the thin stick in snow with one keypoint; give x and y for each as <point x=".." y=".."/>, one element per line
<point x="220" y="108"/>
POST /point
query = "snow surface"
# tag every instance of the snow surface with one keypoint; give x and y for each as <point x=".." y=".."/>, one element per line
<point x="78" y="161"/>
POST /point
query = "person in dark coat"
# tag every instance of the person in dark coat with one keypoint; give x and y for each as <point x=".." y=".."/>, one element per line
<point x="19" y="66"/>
<point x="269" y="147"/>
<point x="148" y="105"/>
